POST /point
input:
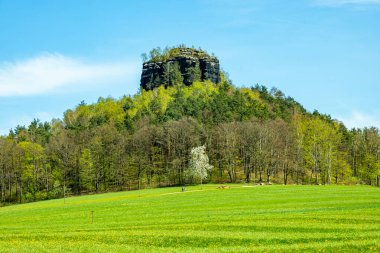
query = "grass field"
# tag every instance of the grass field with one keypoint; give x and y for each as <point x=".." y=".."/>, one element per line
<point x="207" y="219"/>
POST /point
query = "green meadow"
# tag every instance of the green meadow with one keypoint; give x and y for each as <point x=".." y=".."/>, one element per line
<point x="205" y="218"/>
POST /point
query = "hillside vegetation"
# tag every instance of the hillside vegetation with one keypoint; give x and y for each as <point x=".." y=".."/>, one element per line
<point x="251" y="135"/>
<point x="207" y="219"/>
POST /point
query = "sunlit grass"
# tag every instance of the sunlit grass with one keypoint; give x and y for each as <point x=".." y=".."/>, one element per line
<point x="239" y="219"/>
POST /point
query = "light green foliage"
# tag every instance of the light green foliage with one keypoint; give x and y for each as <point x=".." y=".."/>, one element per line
<point x="141" y="102"/>
<point x="108" y="110"/>
<point x="365" y="153"/>
<point x="152" y="102"/>
<point x="32" y="155"/>
<point x="160" y="100"/>
<point x="204" y="101"/>
<point x="104" y="111"/>
<point x="321" y="145"/>
<point x="202" y="90"/>
<point x="239" y="219"/>
<point x="87" y="170"/>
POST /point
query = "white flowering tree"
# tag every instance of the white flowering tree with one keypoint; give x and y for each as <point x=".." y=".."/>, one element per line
<point x="199" y="166"/>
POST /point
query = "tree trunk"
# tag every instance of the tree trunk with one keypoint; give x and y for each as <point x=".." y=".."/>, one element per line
<point x="260" y="176"/>
<point x="10" y="188"/>
<point x="285" y="171"/>
<point x="230" y="175"/>
<point x="220" y="167"/>
<point x="329" y="166"/>
<point x="2" y="185"/>
<point x="316" y="177"/>
<point x="47" y="181"/>
<point x="254" y="174"/>
<point x="21" y="188"/>
<point x="34" y="178"/>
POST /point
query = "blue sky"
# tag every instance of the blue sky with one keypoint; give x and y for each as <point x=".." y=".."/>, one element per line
<point x="323" y="53"/>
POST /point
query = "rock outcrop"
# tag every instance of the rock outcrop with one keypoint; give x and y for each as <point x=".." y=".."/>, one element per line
<point x="192" y="64"/>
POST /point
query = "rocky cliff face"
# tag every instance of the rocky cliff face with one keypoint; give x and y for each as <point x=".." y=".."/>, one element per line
<point x="188" y="61"/>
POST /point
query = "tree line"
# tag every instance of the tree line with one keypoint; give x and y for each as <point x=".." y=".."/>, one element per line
<point x="251" y="135"/>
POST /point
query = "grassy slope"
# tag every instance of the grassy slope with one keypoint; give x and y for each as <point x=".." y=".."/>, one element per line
<point x="261" y="218"/>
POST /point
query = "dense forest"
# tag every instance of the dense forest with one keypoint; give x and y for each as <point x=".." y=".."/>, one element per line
<point x="252" y="135"/>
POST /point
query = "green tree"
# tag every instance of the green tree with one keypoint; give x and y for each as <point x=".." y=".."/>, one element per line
<point x="193" y="73"/>
<point x="32" y="168"/>
<point x="87" y="171"/>
<point x="369" y="164"/>
<point x="172" y="74"/>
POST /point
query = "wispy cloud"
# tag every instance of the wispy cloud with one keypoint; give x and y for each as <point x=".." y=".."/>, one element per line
<point x="50" y="72"/>
<point x="361" y="120"/>
<point x="345" y="2"/>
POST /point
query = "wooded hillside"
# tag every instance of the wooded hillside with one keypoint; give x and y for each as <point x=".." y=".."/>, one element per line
<point x="251" y="135"/>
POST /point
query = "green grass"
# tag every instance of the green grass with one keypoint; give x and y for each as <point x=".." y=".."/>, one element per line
<point x="207" y="219"/>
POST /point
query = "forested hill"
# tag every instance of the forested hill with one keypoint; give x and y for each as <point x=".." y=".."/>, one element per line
<point x="251" y="135"/>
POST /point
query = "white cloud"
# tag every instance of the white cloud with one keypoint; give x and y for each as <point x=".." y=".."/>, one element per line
<point x="345" y="2"/>
<point x="51" y="72"/>
<point x="360" y="120"/>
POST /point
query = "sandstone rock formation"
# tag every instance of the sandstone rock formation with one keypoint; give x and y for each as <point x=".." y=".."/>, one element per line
<point x="186" y="59"/>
